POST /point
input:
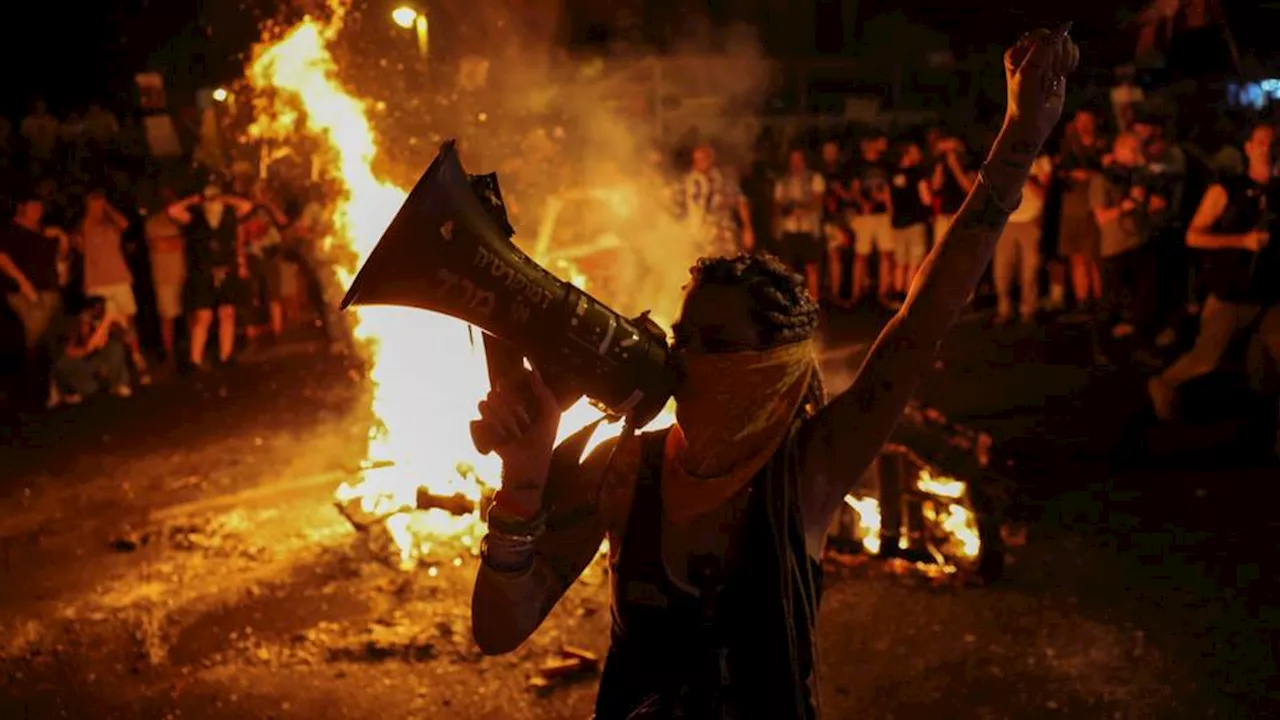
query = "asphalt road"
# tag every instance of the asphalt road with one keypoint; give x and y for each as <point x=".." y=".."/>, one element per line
<point x="178" y="555"/>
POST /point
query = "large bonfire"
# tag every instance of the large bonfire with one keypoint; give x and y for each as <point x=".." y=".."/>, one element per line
<point x="427" y="372"/>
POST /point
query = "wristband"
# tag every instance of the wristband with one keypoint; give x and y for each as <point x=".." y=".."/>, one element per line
<point x="510" y="503"/>
<point x="504" y="557"/>
<point x="511" y="525"/>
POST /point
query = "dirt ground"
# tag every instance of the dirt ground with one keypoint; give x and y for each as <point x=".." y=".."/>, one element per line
<point x="179" y="555"/>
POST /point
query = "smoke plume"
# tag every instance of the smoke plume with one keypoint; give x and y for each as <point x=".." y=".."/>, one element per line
<point x="583" y="141"/>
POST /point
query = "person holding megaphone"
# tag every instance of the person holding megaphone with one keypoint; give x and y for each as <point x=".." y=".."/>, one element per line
<point x="716" y="526"/>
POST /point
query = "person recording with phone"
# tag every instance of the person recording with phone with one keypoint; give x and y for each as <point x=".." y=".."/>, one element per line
<point x="716" y="526"/>
<point x="1124" y="206"/>
<point x="1233" y="225"/>
<point x="952" y="179"/>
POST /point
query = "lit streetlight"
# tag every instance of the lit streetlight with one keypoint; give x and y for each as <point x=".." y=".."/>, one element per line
<point x="409" y="18"/>
<point x="221" y="94"/>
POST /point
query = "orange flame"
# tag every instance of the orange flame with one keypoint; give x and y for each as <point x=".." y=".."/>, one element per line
<point x="427" y="376"/>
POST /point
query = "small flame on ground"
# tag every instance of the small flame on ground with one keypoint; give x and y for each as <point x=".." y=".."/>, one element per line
<point x="957" y="522"/>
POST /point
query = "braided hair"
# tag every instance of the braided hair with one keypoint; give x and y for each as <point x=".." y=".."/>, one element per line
<point x="784" y="313"/>
<point x="781" y="306"/>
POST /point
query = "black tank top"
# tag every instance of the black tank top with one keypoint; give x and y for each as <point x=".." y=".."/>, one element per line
<point x="210" y="247"/>
<point x="725" y="654"/>
<point x="1233" y="275"/>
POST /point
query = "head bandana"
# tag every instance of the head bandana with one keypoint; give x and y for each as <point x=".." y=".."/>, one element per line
<point x="733" y="410"/>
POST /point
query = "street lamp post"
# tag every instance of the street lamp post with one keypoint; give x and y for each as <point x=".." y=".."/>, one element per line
<point x="412" y="19"/>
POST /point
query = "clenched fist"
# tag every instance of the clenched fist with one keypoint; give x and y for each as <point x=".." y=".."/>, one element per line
<point x="1036" y="70"/>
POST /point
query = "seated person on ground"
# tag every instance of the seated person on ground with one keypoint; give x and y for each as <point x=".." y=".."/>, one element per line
<point x="93" y="357"/>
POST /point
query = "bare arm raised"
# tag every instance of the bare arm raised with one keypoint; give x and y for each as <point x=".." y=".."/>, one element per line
<point x="529" y="558"/>
<point x="508" y="605"/>
<point x="846" y="435"/>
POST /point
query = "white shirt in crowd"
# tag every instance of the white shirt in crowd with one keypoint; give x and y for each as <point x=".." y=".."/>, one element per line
<point x="1032" y="205"/>
<point x="803" y="191"/>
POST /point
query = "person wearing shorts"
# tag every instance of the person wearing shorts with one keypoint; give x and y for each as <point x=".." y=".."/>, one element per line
<point x="798" y="203"/>
<point x="910" y="198"/>
<point x="1018" y="249"/>
<point x="168" y="269"/>
<point x="217" y="273"/>
<point x="952" y="179"/>
<point x="106" y="272"/>
<point x="872" y="226"/>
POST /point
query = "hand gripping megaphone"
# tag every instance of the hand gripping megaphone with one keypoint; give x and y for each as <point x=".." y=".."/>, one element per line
<point x="449" y="250"/>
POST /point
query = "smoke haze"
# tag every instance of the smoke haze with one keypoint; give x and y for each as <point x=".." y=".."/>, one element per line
<point x="584" y="156"/>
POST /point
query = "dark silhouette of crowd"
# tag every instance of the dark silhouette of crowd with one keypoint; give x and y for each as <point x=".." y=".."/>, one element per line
<point x="121" y="266"/>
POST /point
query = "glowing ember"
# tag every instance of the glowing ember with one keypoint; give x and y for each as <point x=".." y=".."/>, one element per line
<point x="427" y="375"/>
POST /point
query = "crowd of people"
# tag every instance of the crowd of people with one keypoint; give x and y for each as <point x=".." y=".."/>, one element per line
<point x="98" y="238"/>
<point x="1134" y="231"/>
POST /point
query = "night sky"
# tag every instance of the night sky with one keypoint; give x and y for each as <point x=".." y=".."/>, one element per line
<point x="77" y="52"/>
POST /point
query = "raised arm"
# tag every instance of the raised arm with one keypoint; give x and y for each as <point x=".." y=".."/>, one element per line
<point x="938" y="179"/>
<point x="513" y="595"/>
<point x="241" y="206"/>
<point x="846" y="435"/>
<point x="529" y="558"/>
<point x="277" y="215"/>
<point x="180" y="211"/>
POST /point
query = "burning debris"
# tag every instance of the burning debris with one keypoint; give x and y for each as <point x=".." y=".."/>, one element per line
<point x="429" y="495"/>
<point x="919" y="517"/>
<point x="573" y="664"/>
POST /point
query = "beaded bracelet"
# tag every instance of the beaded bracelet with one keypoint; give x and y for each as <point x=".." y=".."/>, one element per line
<point x="513" y="557"/>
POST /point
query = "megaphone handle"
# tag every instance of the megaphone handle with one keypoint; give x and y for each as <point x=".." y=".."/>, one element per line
<point x="483" y="436"/>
